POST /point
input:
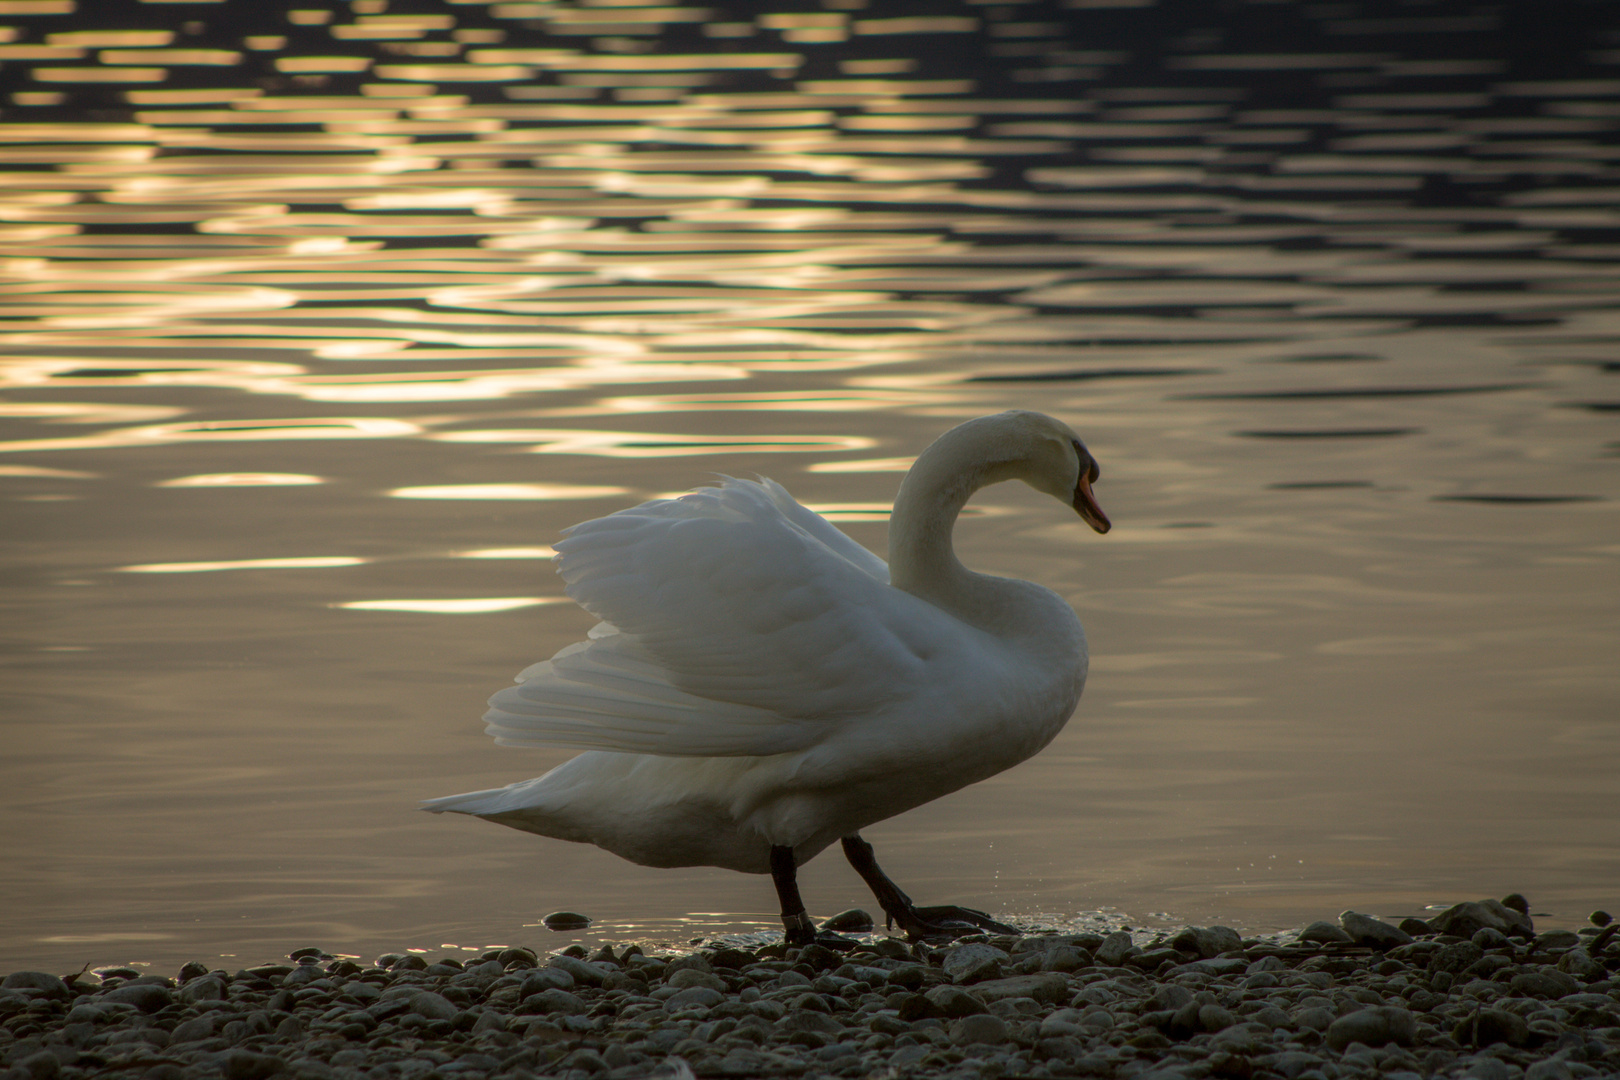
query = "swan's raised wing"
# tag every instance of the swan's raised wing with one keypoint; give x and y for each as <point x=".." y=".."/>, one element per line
<point x="738" y="622"/>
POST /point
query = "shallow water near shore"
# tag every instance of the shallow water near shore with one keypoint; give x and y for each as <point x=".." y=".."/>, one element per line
<point x="312" y="348"/>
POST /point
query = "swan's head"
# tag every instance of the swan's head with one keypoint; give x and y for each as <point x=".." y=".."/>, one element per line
<point x="1059" y="464"/>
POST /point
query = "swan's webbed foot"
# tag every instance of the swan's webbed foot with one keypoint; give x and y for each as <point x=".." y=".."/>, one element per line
<point x="798" y="929"/>
<point x="945" y="922"/>
<point x="960" y="921"/>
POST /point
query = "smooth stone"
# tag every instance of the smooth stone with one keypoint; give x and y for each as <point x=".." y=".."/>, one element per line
<point x="692" y="977"/>
<point x="1325" y="933"/>
<point x="43" y="1065"/>
<point x="1207" y="942"/>
<point x="696" y="961"/>
<point x="566" y="920"/>
<point x="920" y="1007"/>
<point x="246" y="1065"/>
<point x="1557" y="939"/>
<point x="1214" y="1018"/>
<point x="1549" y="1069"/>
<point x="1600" y="918"/>
<point x="820" y="958"/>
<point x="1115" y="948"/>
<point x="1485" y="1067"/>
<point x="732" y="959"/>
<point x="1490" y="1026"/>
<point x="907" y="976"/>
<point x="1169" y="996"/>
<point x="1315" y="1018"/>
<point x="431" y="1006"/>
<point x="1059" y="1023"/>
<point x="853" y="921"/>
<point x="1455" y="958"/>
<point x="147" y="998"/>
<point x="1230" y="965"/>
<point x="1366" y="930"/>
<point x="953" y="1002"/>
<point x="981" y="1028"/>
<point x="586" y="1059"/>
<point x="197" y="1028"/>
<point x="1064" y="958"/>
<point x="810" y="1020"/>
<point x="203" y="988"/>
<point x="49" y="984"/>
<point x="1543" y="983"/>
<point x="1377" y="1025"/>
<point x="1579" y="963"/>
<point x="546" y="978"/>
<point x="1290" y="1063"/>
<point x="974" y="963"/>
<point x="1471" y="916"/>
<point x="554" y="1001"/>
<point x="705" y="996"/>
<point x="1044" y="987"/>
<point x="583" y="972"/>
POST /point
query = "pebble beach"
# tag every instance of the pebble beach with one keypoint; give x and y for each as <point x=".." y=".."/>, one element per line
<point x="1473" y="992"/>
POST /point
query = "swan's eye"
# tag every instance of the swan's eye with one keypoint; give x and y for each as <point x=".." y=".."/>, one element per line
<point x="1088" y="464"/>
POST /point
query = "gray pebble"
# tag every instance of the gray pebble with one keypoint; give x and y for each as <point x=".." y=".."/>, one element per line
<point x="974" y="963"/>
<point x="1471" y="916"/>
<point x="979" y="1028"/>
<point x="49" y="984"/>
<point x="1366" y="930"/>
<point x="565" y="920"/>
<point x="582" y="972"/>
<point x="704" y="996"/>
<point x="1375" y="1026"/>
<point x="1324" y="932"/>
<point x="431" y="1006"/>
<point x="1207" y="942"/>
<point x="1115" y="948"/>
<point x="953" y="1002"/>
<point x="147" y="998"/>
<point x="691" y="977"/>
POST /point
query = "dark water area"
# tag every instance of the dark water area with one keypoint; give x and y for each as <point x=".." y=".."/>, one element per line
<point x="318" y="323"/>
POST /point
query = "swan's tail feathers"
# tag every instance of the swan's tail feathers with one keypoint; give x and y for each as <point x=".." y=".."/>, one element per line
<point x="605" y="695"/>
<point x="471" y="802"/>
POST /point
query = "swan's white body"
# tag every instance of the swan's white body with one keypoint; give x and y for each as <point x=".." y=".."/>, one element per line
<point x="758" y="680"/>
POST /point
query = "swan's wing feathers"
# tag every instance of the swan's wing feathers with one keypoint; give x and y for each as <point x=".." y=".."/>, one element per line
<point x="743" y="601"/>
<point x="605" y="694"/>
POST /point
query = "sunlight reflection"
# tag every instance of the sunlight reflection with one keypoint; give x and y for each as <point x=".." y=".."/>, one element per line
<point x="507" y="491"/>
<point x="474" y="606"/>
<point x="241" y="479"/>
<point x="895" y="464"/>
<point x="306" y="563"/>
<point x="540" y="552"/>
<point x="637" y="444"/>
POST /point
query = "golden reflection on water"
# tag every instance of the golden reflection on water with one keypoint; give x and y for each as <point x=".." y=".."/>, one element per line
<point x="427" y="287"/>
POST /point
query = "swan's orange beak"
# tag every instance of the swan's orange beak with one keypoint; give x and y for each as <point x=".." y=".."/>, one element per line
<point x="1085" y="503"/>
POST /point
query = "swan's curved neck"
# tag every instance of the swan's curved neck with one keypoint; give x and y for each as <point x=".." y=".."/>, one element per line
<point x="921" y="558"/>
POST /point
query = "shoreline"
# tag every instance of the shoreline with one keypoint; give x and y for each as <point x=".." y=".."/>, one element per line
<point x="1475" y="991"/>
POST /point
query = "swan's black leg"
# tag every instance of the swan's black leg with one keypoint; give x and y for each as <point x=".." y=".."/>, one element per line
<point x="784" y="873"/>
<point x="800" y="930"/>
<point x="943" y="922"/>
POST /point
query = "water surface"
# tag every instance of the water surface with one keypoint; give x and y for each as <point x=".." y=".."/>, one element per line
<point x="320" y="324"/>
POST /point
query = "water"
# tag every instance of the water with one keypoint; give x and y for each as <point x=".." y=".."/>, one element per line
<point x="306" y="364"/>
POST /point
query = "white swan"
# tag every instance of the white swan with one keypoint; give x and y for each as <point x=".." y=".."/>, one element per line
<point x="760" y="685"/>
